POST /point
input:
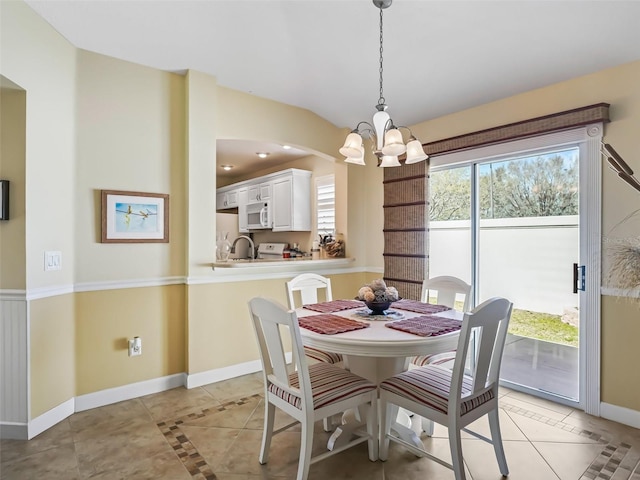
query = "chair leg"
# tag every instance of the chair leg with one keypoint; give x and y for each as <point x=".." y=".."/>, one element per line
<point x="267" y="431"/>
<point x="385" y="427"/>
<point x="327" y="424"/>
<point x="496" y="438"/>
<point x="306" y="446"/>
<point x="455" y="444"/>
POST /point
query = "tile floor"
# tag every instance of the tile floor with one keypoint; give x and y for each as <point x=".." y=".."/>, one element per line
<point x="214" y="432"/>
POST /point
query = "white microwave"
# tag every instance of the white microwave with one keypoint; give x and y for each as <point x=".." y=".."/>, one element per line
<point x="259" y="216"/>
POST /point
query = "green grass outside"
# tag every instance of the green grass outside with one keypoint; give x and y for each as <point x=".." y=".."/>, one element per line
<point x="543" y="326"/>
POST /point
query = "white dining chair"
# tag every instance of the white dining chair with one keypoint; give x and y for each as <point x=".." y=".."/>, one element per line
<point x="455" y="398"/>
<point x="311" y="392"/>
<point x="306" y="286"/>
<point x="442" y="290"/>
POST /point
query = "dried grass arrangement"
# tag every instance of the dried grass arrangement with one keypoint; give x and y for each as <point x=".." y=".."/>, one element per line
<point x="624" y="272"/>
<point x="624" y="260"/>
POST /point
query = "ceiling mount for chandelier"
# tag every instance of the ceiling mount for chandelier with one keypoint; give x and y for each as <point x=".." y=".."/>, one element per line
<point x="386" y="137"/>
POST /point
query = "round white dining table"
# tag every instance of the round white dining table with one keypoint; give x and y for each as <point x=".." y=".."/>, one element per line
<point x="378" y="352"/>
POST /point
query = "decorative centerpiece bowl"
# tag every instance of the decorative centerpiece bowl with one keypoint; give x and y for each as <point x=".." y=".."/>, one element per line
<point x="378" y="308"/>
<point x="377" y="296"/>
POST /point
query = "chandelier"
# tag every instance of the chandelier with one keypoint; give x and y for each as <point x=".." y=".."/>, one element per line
<point x="386" y="138"/>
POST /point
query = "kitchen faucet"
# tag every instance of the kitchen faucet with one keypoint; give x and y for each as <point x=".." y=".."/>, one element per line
<point x="252" y="255"/>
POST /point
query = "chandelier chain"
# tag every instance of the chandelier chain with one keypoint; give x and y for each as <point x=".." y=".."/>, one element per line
<point x="381" y="100"/>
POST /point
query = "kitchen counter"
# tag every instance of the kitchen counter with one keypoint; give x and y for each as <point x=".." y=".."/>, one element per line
<point x="283" y="262"/>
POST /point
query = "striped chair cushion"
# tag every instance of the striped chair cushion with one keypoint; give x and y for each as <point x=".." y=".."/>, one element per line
<point x="322" y="356"/>
<point x="434" y="359"/>
<point x="328" y="383"/>
<point x="430" y="386"/>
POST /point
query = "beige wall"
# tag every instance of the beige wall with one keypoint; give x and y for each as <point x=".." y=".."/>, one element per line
<point x="222" y="334"/>
<point x="620" y="334"/>
<point x="53" y="353"/>
<point x="130" y="136"/>
<point x="40" y="61"/>
<point x="105" y="320"/>
<point x="12" y="168"/>
<point x="254" y="118"/>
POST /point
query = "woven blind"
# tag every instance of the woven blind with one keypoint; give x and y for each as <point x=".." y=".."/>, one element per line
<point x="405" y="228"/>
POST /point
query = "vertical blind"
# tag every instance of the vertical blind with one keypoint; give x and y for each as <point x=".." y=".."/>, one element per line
<point x="326" y="204"/>
<point x="405" y="228"/>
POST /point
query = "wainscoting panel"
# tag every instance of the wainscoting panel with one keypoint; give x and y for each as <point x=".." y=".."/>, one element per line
<point x="13" y="361"/>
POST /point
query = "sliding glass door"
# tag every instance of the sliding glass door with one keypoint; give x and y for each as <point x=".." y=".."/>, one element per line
<point x="510" y="227"/>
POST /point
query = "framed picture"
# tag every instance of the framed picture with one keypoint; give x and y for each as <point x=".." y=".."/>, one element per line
<point x="134" y="217"/>
<point x="4" y="199"/>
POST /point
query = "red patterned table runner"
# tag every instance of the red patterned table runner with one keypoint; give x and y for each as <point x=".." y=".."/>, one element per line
<point x="330" y="324"/>
<point x="426" y="325"/>
<point x="419" y="307"/>
<point x="334" y="306"/>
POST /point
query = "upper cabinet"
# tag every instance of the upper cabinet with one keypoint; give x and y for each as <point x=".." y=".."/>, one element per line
<point x="291" y="202"/>
<point x="226" y="199"/>
<point x="260" y="192"/>
<point x="287" y="194"/>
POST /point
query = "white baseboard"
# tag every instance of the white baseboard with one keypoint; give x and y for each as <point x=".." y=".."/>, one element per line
<point x="23" y="431"/>
<point x="618" y="414"/>
<point x="26" y="431"/>
<point x="50" y="418"/>
<point x="127" y="392"/>
<point x="225" y="373"/>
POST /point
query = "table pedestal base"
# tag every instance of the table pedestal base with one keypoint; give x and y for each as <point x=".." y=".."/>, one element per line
<point x="375" y="369"/>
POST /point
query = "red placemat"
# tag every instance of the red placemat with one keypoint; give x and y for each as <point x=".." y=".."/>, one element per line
<point x="426" y="325"/>
<point x="330" y="324"/>
<point x="419" y="307"/>
<point x="334" y="306"/>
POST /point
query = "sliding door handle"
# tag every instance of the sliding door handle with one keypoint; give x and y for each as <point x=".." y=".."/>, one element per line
<point x="579" y="272"/>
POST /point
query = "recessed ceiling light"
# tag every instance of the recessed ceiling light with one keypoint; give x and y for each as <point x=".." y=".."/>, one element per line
<point x="227" y="167"/>
<point x="286" y="147"/>
<point x="262" y="154"/>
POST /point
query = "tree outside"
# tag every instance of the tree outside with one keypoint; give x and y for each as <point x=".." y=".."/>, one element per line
<point x="545" y="185"/>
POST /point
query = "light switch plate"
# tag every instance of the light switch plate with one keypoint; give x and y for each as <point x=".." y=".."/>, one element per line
<point x="52" y="261"/>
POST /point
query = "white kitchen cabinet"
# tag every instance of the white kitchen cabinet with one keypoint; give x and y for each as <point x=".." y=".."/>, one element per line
<point x="291" y="201"/>
<point x="226" y="199"/>
<point x="259" y="192"/>
<point x="242" y="210"/>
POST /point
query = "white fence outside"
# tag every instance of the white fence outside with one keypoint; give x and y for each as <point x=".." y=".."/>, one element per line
<point x="527" y="260"/>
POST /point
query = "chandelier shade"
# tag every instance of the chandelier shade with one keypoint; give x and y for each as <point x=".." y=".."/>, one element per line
<point x="359" y="160"/>
<point x="415" y="152"/>
<point x="390" y="161"/>
<point x="393" y="143"/>
<point x="386" y="138"/>
<point x="352" y="146"/>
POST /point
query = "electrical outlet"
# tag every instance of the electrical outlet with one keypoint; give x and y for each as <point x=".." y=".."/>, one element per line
<point x="135" y="347"/>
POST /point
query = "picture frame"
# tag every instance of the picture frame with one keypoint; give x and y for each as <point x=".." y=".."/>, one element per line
<point x="134" y="217"/>
<point x="4" y="199"/>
